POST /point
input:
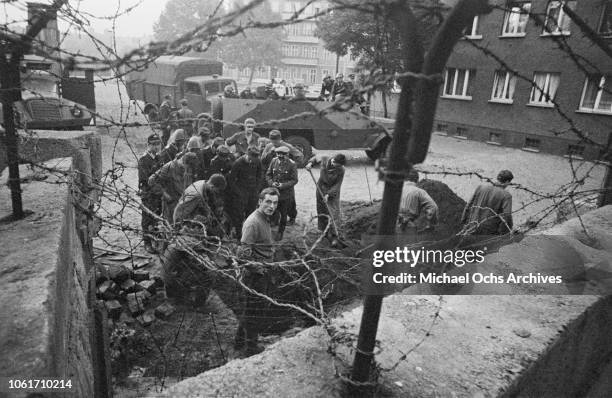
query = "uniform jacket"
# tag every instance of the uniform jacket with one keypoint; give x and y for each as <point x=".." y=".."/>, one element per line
<point x="241" y="142"/>
<point x="205" y="156"/>
<point x="221" y="165"/>
<point x="285" y="173"/>
<point x="489" y="211"/>
<point x="168" y="154"/>
<point x="165" y="109"/>
<point x="147" y="165"/>
<point x="246" y="175"/>
<point x="339" y="89"/>
<point x="268" y="153"/>
<point x="171" y="179"/>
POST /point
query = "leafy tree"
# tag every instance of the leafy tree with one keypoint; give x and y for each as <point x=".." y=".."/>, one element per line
<point x="179" y="16"/>
<point x="254" y="48"/>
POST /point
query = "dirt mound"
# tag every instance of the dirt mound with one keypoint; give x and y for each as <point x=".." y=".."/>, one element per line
<point x="361" y="217"/>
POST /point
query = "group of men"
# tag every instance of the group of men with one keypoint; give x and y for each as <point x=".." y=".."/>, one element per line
<point x="200" y="176"/>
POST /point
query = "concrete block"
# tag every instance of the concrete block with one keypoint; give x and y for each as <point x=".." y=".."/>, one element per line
<point x="164" y="310"/>
<point x="113" y="308"/>
<point x="146" y="319"/>
<point x="140" y="275"/>
<point x="129" y="286"/>
<point x="117" y="272"/>
<point x="108" y="290"/>
<point x="135" y="304"/>
<point x="144" y="296"/>
<point x="149" y="286"/>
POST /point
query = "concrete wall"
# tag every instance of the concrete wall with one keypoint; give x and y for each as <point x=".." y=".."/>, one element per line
<point x="46" y="277"/>
<point x="515" y="345"/>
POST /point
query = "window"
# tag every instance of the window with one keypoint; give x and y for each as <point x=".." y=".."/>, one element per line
<point x="313" y="75"/>
<point x="503" y="86"/>
<point x="575" y="150"/>
<point x="605" y="26"/>
<point x="442" y="128"/>
<point x="557" y="22"/>
<point x="494" y="138"/>
<point x="532" y="144"/>
<point x="457" y="83"/>
<point x="544" y="88"/>
<point x="515" y="18"/>
<point x="192" y="88"/>
<point x="471" y="32"/>
<point x="212" y="87"/>
<point x="597" y="94"/>
<point x="461" y="132"/>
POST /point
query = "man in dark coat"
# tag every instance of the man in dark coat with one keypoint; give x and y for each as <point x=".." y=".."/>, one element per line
<point x="328" y="193"/>
<point x="489" y="211"/>
<point x="339" y="89"/>
<point x="165" y="110"/>
<point x="148" y="164"/>
<point x="203" y="198"/>
<point x="326" y="88"/>
<point x="246" y="179"/>
<point x="282" y="175"/>
<point x="185" y="118"/>
<point x="175" y="146"/>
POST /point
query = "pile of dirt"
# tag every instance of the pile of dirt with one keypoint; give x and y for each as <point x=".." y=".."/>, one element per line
<point x="362" y="217"/>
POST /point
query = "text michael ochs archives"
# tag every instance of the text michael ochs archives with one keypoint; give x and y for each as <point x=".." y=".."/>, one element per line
<point x="406" y="257"/>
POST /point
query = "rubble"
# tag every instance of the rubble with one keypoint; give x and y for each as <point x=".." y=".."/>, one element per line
<point x="164" y="310"/>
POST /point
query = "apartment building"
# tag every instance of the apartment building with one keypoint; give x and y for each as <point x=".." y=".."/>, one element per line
<point x="541" y="96"/>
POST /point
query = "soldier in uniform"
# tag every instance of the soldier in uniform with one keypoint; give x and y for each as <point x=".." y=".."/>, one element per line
<point x="276" y="141"/>
<point x="172" y="179"/>
<point x="326" y="88"/>
<point x="228" y="92"/>
<point x="245" y="138"/>
<point x="246" y="179"/>
<point x="203" y="198"/>
<point x="222" y="163"/>
<point x="174" y="147"/>
<point x="282" y="175"/>
<point x="339" y="88"/>
<point x="205" y="154"/>
<point x="148" y="164"/>
<point x="185" y="118"/>
<point x="165" y="109"/>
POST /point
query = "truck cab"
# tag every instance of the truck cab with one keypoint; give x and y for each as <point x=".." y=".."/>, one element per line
<point x="200" y="91"/>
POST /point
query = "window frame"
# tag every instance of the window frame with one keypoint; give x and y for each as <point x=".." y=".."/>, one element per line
<point x="607" y="9"/>
<point x="561" y="15"/>
<point x="602" y="83"/>
<point x="509" y="12"/>
<point x="531" y="148"/>
<point x="549" y="103"/>
<point x="473" y="32"/>
<point x="509" y="79"/>
<point x="497" y="141"/>
<point x="466" y="84"/>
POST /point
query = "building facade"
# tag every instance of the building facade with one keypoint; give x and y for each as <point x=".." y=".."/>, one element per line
<point x="304" y="59"/>
<point x="538" y="99"/>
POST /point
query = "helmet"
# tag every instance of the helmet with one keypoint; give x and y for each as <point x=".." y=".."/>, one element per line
<point x="194" y="143"/>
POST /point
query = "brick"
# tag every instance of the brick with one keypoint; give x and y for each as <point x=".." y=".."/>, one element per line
<point x="148" y="286"/>
<point x="118" y="272"/>
<point x="164" y="310"/>
<point x="135" y="304"/>
<point x="160" y="294"/>
<point x="143" y="295"/>
<point x="114" y="309"/>
<point x="129" y="286"/>
<point x="146" y="319"/>
<point x="108" y="290"/>
<point x="140" y="275"/>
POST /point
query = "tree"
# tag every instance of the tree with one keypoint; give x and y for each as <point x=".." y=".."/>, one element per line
<point x="371" y="35"/>
<point x="179" y="16"/>
<point x="255" y="48"/>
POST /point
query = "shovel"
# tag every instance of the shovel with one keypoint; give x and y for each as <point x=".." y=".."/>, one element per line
<point x="330" y="214"/>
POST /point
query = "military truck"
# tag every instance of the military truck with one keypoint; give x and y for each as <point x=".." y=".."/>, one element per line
<point x="196" y="79"/>
<point x="48" y="101"/>
<point x="304" y="124"/>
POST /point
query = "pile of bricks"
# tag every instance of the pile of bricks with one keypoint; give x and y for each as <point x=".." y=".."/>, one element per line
<point x="131" y="295"/>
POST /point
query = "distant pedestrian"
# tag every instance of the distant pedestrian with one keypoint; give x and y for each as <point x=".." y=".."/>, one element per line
<point x="172" y="179"/>
<point x="148" y="164"/>
<point x="489" y="211"/>
<point x="282" y="175"/>
<point x="326" y="88"/>
<point x="186" y="118"/>
<point x="339" y="89"/>
<point x="245" y="138"/>
<point x="328" y="193"/>
<point x="417" y="207"/>
<point x="174" y="147"/>
<point x="165" y="110"/>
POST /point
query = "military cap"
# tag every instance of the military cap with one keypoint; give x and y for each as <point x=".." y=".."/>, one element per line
<point x="193" y="143"/>
<point x="153" y="139"/>
<point x="179" y="135"/>
<point x="275" y="135"/>
<point x="282" y="149"/>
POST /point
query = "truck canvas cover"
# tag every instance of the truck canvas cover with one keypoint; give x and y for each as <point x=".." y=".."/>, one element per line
<point x="171" y="70"/>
